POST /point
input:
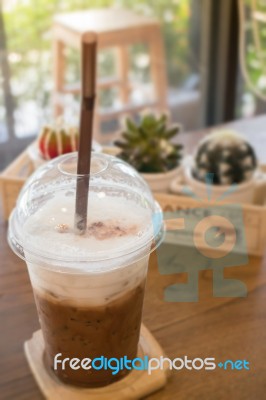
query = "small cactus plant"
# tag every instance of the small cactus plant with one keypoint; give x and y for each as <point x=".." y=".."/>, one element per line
<point x="147" y="145"/>
<point x="57" y="139"/>
<point x="227" y="155"/>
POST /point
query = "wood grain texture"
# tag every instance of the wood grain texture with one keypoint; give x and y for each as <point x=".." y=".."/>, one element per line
<point x="213" y="327"/>
<point x="134" y="386"/>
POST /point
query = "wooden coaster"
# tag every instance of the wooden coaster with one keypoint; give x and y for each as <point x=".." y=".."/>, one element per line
<point x="134" y="386"/>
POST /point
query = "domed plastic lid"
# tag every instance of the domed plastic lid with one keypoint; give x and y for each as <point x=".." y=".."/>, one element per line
<point x="124" y="222"/>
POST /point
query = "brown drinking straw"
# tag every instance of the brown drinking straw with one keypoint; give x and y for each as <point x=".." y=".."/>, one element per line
<point x="88" y="83"/>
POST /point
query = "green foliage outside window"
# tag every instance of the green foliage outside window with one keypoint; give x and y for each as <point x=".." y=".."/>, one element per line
<point x="28" y="27"/>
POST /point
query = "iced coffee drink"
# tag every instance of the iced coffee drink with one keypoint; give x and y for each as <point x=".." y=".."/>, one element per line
<point x="88" y="288"/>
<point x="77" y="331"/>
<point x="92" y="310"/>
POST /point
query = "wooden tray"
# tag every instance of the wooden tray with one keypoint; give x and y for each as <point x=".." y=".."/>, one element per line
<point x="134" y="386"/>
<point x="14" y="176"/>
<point x="12" y="179"/>
<point x="254" y="218"/>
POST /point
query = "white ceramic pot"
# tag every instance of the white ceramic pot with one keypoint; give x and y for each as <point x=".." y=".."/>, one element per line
<point x="158" y="182"/>
<point x="251" y="191"/>
<point x="161" y="182"/>
<point x="241" y="193"/>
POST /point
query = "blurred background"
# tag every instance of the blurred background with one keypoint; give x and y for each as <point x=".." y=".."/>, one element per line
<point x="215" y="60"/>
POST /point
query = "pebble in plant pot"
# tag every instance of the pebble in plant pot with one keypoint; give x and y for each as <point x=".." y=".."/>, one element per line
<point x="230" y="160"/>
<point x="55" y="140"/>
<point x="148" y="147"/>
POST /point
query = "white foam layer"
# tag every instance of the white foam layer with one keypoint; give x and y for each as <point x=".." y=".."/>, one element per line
<point x="44" y="234"/>
<point x="100" y="277"/>
<point x="86" y="289"/>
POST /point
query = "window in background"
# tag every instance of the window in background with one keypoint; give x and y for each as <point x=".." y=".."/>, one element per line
<point x="251" y="98"/>
<point x="27" y="54"/>
<point x="202" y="39"/>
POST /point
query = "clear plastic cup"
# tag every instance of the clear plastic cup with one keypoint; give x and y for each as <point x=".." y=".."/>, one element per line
<point x="88" y="288"/>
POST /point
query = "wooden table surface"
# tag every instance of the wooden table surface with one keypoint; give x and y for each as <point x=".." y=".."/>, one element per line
<point x="223" y="328"/>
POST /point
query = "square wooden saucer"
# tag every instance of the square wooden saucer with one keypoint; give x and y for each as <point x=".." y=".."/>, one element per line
<point x="134" y="386"/>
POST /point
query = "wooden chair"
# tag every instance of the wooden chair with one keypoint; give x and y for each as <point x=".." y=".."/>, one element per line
<point x="112" y="28"/>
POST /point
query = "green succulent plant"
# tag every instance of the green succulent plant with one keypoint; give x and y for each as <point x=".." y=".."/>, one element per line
<point x="226" y="155"/>
<point x="147" y="145"/>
